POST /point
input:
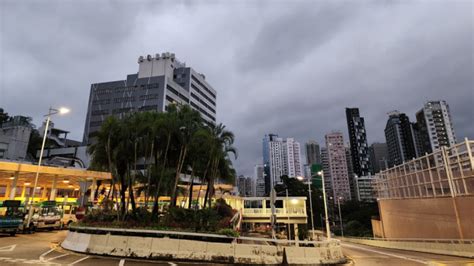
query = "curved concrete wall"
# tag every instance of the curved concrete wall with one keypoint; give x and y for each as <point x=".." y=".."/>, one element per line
<point x="192" y="250"/>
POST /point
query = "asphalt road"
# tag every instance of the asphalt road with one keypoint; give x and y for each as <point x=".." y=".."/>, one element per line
<point x="368" y="256"/>
<point x="42" y="248"/>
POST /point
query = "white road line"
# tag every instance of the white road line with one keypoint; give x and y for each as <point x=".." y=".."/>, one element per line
<point x="57" y="257"/>
<point x="41" y="257"/>
<point x="79" y="260"/>
<point x="8" y="248"/>
<point x="384" y="253"/>
<point x="122" y="262"/>
<point x="172" y="264"/>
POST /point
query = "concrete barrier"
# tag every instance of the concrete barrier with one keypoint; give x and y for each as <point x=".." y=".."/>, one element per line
<point x="465" y="249"/>
<point x="165" y="248"/>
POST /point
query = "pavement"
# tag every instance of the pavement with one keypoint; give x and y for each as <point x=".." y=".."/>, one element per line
<point x="367" y="255"/>
<point x="42" y="248"/>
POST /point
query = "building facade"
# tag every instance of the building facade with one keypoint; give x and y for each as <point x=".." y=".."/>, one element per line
<point x="246" y="186"/>
<point x="378" y="157"/>
<point x="313" y="153"/>
<point x="280" y="157"/>
<point x="365" y="188"/>
<point x="326" y="171"/>
<point x="259" y="175"/>
<point x="160" y="81"/>
<point x="14" y="138"/>
<point x="436" y="127"/>
<point x="338" y="166"/>
<point x="402" y="138"/>
<point x="358" y="142"/>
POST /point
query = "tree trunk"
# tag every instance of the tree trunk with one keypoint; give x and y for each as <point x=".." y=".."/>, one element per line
<point x="147" y="191"/>
<point x="191" y="187"/>
<point x="155" y="203"/>
<point x="182" y="155"/>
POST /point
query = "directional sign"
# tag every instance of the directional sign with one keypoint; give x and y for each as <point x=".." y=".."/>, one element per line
<point x="80" y="212"/>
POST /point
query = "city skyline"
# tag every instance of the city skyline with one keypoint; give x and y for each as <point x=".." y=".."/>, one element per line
<point x="68" y="70"/>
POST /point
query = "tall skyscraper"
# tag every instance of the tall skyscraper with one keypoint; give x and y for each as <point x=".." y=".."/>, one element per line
<point x="313" y="153"/>
<point x="436" y="127"/>
<point x="281" y="157"/>
<point x="338" y="166"/>
<point x="326" y="171"/>
<point x="378" y="157"/>
<point x="259" y="175"/>
<point x="402" y="138"/>
<point x="350" y="173"/>
<point x="358" y="142"/>
<point x="160" y="80"/>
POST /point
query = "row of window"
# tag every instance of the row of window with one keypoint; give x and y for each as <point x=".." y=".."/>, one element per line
<point x="103" y="91"/>
<point x="202" y="102"/>
<point x="203" y="111"/>
<point x="184" y="98"/>
<point x="204" y="86"/>
<point x="202" y="94"/>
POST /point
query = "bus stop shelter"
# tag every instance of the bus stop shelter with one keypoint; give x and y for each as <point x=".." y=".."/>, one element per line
<point x="54" y="183"/>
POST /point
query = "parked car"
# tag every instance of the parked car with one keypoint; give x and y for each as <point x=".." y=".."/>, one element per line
<point x="44" y="215"/>
<point x="68" y="213"/>
<point x="10" y="217"/>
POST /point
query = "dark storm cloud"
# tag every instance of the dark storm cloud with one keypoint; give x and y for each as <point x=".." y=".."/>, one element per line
<point x="282" y="67"/>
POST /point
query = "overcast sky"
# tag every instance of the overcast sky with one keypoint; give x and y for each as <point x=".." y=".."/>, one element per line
<point x="282" y="67"/>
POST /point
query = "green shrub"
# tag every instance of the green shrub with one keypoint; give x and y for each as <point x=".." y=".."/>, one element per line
<point x="228" y="232"/>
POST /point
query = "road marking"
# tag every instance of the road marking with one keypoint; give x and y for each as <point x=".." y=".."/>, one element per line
<point x="122" y="262"/>
<point x="387" y="254"/>
<point x="41" y="257"/>
<point x="172" y="264"/>
<point x="7" y="248"/>
<point x="79" y="260"/>
<point x="57" y="257"/>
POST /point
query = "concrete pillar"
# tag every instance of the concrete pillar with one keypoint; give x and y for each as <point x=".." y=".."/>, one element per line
<point x="7" y="191"/>
<point x="52" y="196"/>
<point x="43" y="194"/>
<point x="296" y="235"/>
<point x="23" y="191"/>
<point x="13" y="187"/>
<point x="93" y="188"/>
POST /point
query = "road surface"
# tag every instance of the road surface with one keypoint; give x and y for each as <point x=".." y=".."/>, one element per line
<point x="367" y="256"/>
<point x="42" y="248"/>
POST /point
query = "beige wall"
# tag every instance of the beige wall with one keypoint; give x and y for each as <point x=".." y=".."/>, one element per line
<point x="427" y="218"/>
<point x="377" y="228"/>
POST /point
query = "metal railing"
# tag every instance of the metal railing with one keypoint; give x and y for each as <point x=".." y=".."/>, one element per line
<point x="431" y="240"/>
<point x="443" y="173"/>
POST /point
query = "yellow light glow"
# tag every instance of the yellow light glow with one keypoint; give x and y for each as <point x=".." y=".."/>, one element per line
<point x="66" y="181"/>
<point x="27" y="183"/>
<point x="70" y="186"/>
<point x="294" y="201"/>
<point x="11" y="178"/>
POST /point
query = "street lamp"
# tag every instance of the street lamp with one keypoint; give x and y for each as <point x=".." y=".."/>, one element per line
<point x="52" y="111"/>
<point x="340" y="215"/>
<point x="310" y="204"/>
<point x="328" y="230"/>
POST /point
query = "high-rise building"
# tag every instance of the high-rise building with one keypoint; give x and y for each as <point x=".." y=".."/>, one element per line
<point x="350" y="173"/>
<point x="358" y="142"/>
<point x="365" y="188"/>
<point x="259" y="175"/>
<point x="326" y="171"/>
<point x="313" y="153"/>
<point x="378" y="157"/>
<point x="280" y="157"/>
<point x="402" y="138"/>
<point x="160" y="80"/>
<point x="246" y="186"/>
<point x="436" y="127"/>
<point x="336" y="155"/>
<point x="14" y="138"/>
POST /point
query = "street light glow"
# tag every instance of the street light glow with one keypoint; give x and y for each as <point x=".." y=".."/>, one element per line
<point x="320" y="172"/>
<point x="63" y="110"/>
<point x="300" y="178"/>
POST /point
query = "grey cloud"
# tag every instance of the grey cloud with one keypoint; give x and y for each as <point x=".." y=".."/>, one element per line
<point x="280" y="67"/>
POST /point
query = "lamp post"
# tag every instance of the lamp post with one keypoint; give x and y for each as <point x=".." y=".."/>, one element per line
<point x="310" y="205"/>
<point x="328" y="230"/>
<point x="51" y="112"/>
<point x="340" y="215"/>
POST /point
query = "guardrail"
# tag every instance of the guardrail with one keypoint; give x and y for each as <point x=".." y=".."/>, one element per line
<point x="195" y="236"/>
<point x="431" y="240"/>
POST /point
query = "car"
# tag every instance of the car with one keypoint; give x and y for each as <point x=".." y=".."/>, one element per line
<point x="44" y="215"/>
<point x="10" y="217"/>
<point x="68" y="213"/>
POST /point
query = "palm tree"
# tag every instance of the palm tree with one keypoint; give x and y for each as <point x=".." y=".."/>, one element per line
<point x="221" y="146"/>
